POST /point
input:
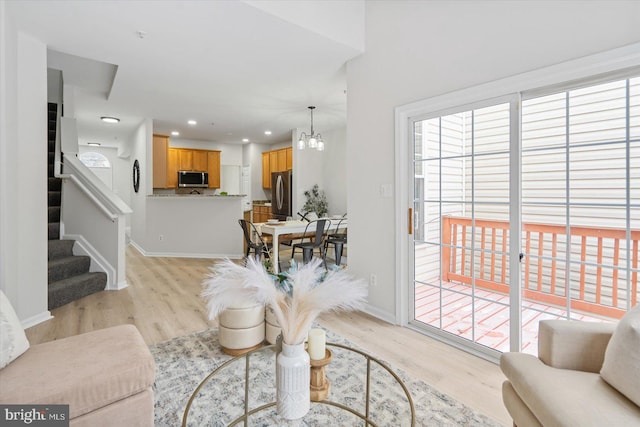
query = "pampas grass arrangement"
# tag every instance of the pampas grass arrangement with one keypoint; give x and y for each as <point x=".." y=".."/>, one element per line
<point x="296" y="296"/>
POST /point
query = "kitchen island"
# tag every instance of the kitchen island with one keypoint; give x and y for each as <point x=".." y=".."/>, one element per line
<point x="192" y="225"/>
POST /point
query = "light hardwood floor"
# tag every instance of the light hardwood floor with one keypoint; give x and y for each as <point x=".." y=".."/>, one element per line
<point x="163" y="301"/>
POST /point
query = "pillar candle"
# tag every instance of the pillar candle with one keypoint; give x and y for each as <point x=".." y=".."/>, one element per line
<point x="317" y="342"/>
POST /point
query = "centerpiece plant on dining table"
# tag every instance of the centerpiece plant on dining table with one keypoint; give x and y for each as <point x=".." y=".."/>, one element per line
<point x="296" y="297"/>
<point x="316" y="201"/>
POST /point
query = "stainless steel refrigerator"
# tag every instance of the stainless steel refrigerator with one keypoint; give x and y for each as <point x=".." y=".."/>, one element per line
<point x="281" y="195"/>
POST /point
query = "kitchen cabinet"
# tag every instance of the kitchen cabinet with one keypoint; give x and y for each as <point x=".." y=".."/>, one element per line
<point x="167" y="161"/>
<point x="281" y="160"/>
<point x="213" y="167"/>
<point x="185" y="160"/>
<point x="201" y="160"/>
<point x="273" y="164"/>
<point x="275" y="161"/>
<point x="192" y="159"/>
<point x="160" y="160"/>
<point x="261" y="213"/>
<point x="172" y="168"/>
<point x="266" y="170"/>
<point x="289" y="159"/>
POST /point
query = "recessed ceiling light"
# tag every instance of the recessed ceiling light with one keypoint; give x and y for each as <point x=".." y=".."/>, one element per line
<point x="192" y="122"/>
<point x="108" y="119"/>
<point x="175" y="133"/>
<point x="267" y="132"/>
<point x="245" y="139"/>
<point x="97" y="144"/>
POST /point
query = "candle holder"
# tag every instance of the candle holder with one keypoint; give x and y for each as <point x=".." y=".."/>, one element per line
<point x="320" y="385"/>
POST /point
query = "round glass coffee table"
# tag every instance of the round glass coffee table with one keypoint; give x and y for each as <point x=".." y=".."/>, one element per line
<point x="242" y="391"/>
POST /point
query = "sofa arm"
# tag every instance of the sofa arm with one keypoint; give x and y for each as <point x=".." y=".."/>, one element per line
<point x="572" y="344"/>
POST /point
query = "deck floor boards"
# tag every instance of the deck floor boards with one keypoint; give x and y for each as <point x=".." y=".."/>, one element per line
<point x="491" y="317"/>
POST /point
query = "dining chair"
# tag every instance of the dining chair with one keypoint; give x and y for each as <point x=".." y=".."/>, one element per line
<point x="261" y="247"/>
<point x="314" y="231"/>
<point x="338" y="239"/>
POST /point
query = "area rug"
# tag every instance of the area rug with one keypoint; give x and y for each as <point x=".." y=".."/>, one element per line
<point x="182" y="363"/>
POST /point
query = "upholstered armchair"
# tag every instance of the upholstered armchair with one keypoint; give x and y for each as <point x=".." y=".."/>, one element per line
<point x="586" y="374"/>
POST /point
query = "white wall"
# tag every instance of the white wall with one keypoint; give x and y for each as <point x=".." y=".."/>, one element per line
<point x="121" y="182"/>
<point x="253" y="156"/>
<point x="140" y="141"/>
<point x="197" y="227"/>
<point x="334" y="170"/>
<point x="23" y="137"/>
<point x="416" y="50"/>
<point x="308" y="168"/>
<point x="326" y="168"/>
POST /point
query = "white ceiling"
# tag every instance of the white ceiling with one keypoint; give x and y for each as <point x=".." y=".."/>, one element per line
<point x="238" y="68"/>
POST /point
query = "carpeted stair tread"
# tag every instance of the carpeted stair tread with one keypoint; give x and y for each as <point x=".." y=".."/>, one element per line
<point x="54" y="184"/>
<point x="63" y="268"/>
<point x="60" y="249"/>
<point x="53" y="214"/>
<point x="53" y="231"/>
<point x="53" y="198"/>
<point x="64" y="291"/>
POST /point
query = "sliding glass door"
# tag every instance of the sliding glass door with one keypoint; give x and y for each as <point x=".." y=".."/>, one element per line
<point x="580" y="212"/>
<point x="560" y="173"/>
<point x="461" y="186"/>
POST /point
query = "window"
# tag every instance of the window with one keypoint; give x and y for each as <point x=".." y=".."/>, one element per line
<point x="91" y="159"/>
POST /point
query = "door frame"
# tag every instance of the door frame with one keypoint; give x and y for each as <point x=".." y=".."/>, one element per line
<point x="609" y="63"/>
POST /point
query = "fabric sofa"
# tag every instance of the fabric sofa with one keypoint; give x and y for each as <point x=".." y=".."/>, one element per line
<point x="105" y="376"/>
<point x="581" y="377"/>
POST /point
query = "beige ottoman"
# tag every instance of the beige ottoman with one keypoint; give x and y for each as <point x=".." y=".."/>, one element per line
<point x="272" y="329"/>
<point x="241" y="328"/>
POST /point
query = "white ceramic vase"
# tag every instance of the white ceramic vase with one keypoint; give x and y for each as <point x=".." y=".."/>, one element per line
<point x="292" y="382"/>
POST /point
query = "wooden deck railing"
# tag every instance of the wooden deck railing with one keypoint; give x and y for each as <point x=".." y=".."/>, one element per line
<point x="595" y="286"/>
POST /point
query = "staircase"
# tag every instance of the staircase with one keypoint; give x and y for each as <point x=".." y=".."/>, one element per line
<point x="68" y="276"/>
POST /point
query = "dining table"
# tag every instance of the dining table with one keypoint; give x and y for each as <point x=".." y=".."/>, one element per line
<point x="282" y="228"/>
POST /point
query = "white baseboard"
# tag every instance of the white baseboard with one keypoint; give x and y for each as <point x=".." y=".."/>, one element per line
<point x="380" y="314"/>
<point x="34" y="320"/>
<point x="120" y="285"/>
<point x="183" y="254"/>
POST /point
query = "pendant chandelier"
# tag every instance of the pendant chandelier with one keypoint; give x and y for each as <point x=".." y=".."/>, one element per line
<point x="313" y="140"/>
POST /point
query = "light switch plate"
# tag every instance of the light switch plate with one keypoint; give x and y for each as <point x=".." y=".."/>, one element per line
<point x="386" y="190"/>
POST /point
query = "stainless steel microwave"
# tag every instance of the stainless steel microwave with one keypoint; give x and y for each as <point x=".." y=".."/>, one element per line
<point x="193" y="179"/>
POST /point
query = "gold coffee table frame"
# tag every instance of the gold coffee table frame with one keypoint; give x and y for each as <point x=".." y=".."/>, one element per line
<point x="248" y="412"/>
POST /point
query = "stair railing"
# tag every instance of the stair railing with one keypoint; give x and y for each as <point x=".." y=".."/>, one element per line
<point x="108" y="202"/>
<point x="86" y="203"/>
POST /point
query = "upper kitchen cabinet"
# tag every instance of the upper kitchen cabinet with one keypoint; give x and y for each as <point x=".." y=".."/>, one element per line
<point x="172" y="168"/>
<point x="192" y="159"/>
<point x="266" y="171"/>
<point x="185" y="160"/>
<point x="200" y="160"/>
<point x="289" y="159"/>
<point x="213" y="167"/>
<point x="160" y="160"/>
<point x="275" y="161"/>
<point x="167" y="161"/>
<point x="281" y="160"/>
